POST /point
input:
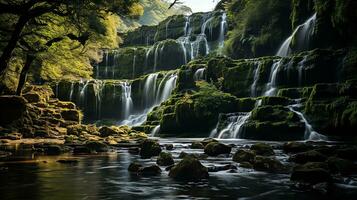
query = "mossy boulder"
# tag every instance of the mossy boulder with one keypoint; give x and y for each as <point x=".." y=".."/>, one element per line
<point x="268" y="164"/>
<point x="308" y="156"/>
<point x="216" y="148"/>
<point x="149" y="148"/>
<point x="296" y="147"/>
<point x="342" y="166"/>
<point x="165" y="159"/>
<point x="262" y="149"/>
<point x="189" y="169"/>
<point x="281" y="121"/>
<point x="311" y="173"/>
<point x="152" y="170"/>
<point x="242" y="156"/>
<point x="95" y="146"/>
<point x="134" y="167"/>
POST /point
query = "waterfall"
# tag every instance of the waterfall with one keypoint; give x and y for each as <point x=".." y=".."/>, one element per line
<point x="303" y="34"/>
<point x="187" y="28"/>
<point x="271" y="86"/>
<point x="152" y="97"/>
<point x="168" y="88"/>
<point x="199" y="74"/>
<point x="134" y="62"/>
<point x="222" y="30"/>
<point x="155" y="131"/>
<point x="234" y="127"/>
<point x="253" y="87"/>
<point x="115" y="63"/>
<point x="167" y="26"/>
<point x="99" y="85"/>
<point x="71" y="91"/>
<point x="57" y="89"/>
<point x="310" y="134"/>
<point x="300" y="69"/>
<point x="127" y="102"/>
<point x="150" y="90"/>
<point x="106" y="62"/>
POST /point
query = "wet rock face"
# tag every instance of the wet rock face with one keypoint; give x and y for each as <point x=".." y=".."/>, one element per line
<point x="149" y="148"/>
<point x="262" y="149"/>
<point x="149" y="171"/>
<point x="189" y="169"/>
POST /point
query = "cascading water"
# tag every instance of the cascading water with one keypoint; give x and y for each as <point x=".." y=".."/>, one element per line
<point x="310" y="134"/>
<point x="222" y="31"/>
<point x="167" y="27"/>
<point x="71" y="92"/>
<point x="234" y="127"/>
<point x="153" y="96"/>
<point x="300" y="69"/>
<point x="155" y="131"/>
<point x="253" y="87"/>
<point x="127" y="102"/>
<point x="134" y="62"/>
<point x="199" y="74"/>
<point x="271" y="86"/>
<point x="303" y="34"/>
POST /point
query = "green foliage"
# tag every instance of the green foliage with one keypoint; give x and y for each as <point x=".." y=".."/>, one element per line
<point x="259" y="27"/>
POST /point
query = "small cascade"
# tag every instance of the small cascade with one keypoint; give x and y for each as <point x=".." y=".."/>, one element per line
<point x="253" y="87"/>
<point x="300" y="69"/>
<point x="167" y="27"/>
<point x="127" y="102"/>
<point x="71" y="92"/>
<point x="155" y="131"/>
<point x="106" y="56"/>
<point x="303" y="34"/>
<point x="150" y="90"/>
<point x="222" y="31"/>
<point x="83" y="92"/>
<point x="98" y="89"/>
<point x="199" y="74"/>
<point x="234" y="127"/>
<point x="168" y="88"/>
<point x="134" y="62"/>
<point x="310" y="134"/>
<point x="271" y="86"/>
<point x="187" y="28"/>
<point x="153" y="96"/>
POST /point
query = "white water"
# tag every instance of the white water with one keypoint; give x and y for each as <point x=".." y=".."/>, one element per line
<point x="127" y="102"/>
<point x="302" y="33"/>
<point x="134" y="63"/>
<point x="234" y="127"/>
<point x="167" y="27"/>
<point x="222" y="31"/>
<point x="253" y="87"/>
<point x="300" y="69"/>
<point x="199" y="74"/>
<point x="153" y="96"/>
<point x="155" y="131"/>
<point x="271" y="86"/>
<point x="310" y="134"/>
<point x="71" y="92"/>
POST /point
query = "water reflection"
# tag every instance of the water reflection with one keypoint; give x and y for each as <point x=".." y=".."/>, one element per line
<point x="106" y="177"/>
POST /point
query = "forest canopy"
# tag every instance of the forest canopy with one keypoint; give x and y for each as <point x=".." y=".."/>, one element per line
<point x="53" y="36"/>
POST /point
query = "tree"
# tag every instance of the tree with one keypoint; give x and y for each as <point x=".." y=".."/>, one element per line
<point x="80" y="21"/>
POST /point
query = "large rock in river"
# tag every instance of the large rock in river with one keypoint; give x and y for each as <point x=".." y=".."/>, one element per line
<point x="189" y="169"/>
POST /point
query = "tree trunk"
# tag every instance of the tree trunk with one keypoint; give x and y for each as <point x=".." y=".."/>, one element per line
<point x="23" y="76"/>
<point x="11" y="45"/>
